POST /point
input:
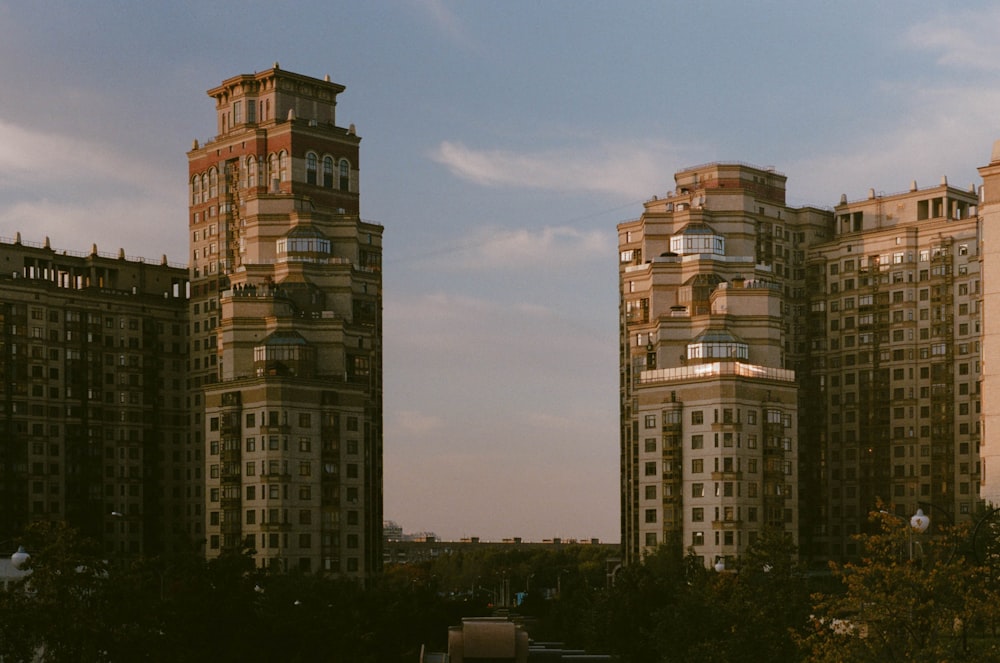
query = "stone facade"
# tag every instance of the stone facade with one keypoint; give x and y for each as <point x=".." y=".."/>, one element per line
<point x="286" y="311"/>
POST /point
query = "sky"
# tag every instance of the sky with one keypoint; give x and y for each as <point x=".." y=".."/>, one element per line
<point x="501" y="144"/>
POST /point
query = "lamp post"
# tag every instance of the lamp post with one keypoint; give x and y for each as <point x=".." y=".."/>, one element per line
<point x="919" y="524"/>
<point x="20" y="558"/>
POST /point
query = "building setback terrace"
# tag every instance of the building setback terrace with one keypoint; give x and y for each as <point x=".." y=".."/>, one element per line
<point x="714" y="370"/>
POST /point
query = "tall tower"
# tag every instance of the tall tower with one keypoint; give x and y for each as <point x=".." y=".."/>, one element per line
<point x="712" y="305"/>
<point x="286" y="342"/>
<point x="990" y="215"/>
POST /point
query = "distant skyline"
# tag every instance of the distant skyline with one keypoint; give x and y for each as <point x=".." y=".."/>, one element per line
<point x="501" y="145"/>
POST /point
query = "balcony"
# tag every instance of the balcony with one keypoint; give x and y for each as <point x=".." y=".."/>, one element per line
<point x="275" y="477"/>
<point x="727" y="524"/>
<point x="715" y="370"/>
<point x="275" y="527"/>
<point x="727" y="426"/>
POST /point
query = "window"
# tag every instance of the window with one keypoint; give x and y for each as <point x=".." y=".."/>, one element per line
<point x="697" y="490"/>
<point x="345" y="175"/>
<point x="697" y="417"/>
<point x="251" y="172"/>
<point x="650" y="492"/>
<point x="650" y="539"/>
<point x="697" y="465"/>
<point x="650" y="469"/>
<point x="697" y="441"/>
<point x="697" y="514"/>
<point x="650" y="515"/>
<point x="311" y="164"/>
<point x="328" y="172"/>
<point x="697" y="538"/>
<point x="650" y="421"/>
<point x="650" y="444"/>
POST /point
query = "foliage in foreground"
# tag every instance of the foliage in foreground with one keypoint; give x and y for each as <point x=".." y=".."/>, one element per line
<point x="904" y="600"/>
<point x="76" y="606"/>
<point x="910" y="598"/>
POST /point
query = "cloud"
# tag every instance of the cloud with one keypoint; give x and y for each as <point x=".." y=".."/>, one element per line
<point x="78" y="191"/>
<point x="403" y="424"/>
<point x="633" y="171"/>
<point x="446" y="21"/>
<point x="32" y="157"/>
<point x="960" y="39"/>
<point x="943" y="133"/>
<point x="517" y="248"/>
<point x="145" y="226"/>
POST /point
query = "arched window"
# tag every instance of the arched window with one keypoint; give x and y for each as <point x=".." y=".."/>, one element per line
<point x="251" y="171"/>
<point x="310" y="168"/>
<point x="213" y="183"/>
<point x="283" y="166"/>
<point x="328" y="172"/>
<point x="204" y="187"/>
<point x="345" y="175"/>
<point x="195" y="190"/>
<point x="272" y="169"/>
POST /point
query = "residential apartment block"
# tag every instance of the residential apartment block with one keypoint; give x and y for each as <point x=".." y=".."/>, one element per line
<point x="895" y="323"/>
<point x="286" y="310"/>
<point x="712" y="283"/>
<point x="234" y="405"/>
<point x="792" y="367"/>
<point x="93" y="354"/>
<point x="989" y="213"/>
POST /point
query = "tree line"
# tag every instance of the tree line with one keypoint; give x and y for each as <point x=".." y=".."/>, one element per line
<point x="909" y="597"/>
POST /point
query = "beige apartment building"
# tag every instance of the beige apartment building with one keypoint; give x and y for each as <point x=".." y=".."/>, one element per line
<point x="794" y="368"/>
<point x="712" y="320"/>
<point x="989" y="213"/>
<point x="93" y="351"/>
<point x="895" y="323"/>
<point x="286" y="312"/>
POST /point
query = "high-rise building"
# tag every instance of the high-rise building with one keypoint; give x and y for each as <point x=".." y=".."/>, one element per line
<point x="797" y="368"/>
<point x="712" y="299"/>
<point x="286" y="343"/>
<point x="989" y="214"/>
<point x="93" y="352"/>
<point x="895" y="325"/>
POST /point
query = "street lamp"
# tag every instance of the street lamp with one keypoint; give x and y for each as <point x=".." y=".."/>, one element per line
<point x="919" y="521"/>
<point x="20" y="558"/>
